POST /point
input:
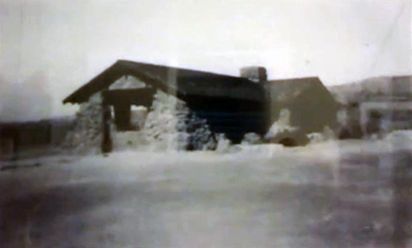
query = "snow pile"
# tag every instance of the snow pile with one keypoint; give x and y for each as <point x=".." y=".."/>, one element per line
<point x="129" y="140"/>
<point x="200" y="136"/>
<point x="171" y="126"/>
<point x="138" y="116"/>
<point x="282" y="125"/>
<point x="223" y="144"/>
<point x="87" y="133"/>
<point x="164" y="126"/>
<point x="326" y="135"/>
<point x="127" y="82"/>
<point x="251" y="139"/>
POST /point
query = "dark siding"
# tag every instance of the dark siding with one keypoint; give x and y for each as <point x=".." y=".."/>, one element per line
<point x="23" y="136"/>
<point x="232" y="117"/>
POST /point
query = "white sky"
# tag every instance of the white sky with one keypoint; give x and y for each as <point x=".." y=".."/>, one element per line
<point x="67" y="42"/>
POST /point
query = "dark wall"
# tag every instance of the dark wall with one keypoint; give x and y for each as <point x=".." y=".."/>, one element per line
<point x="233" y="117"/>
<point x="311" y="109"/>
<point x="22" y="136"/>
<point x="229" y="105"/>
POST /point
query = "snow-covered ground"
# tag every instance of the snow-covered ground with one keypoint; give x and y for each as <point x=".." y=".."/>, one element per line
<point x="330" y="194"/>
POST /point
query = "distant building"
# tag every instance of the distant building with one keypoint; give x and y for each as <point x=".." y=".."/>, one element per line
<point x="25" y="139"/>
<point x="382" y="105"/>
<point x="390" y="111"/>
<point x="230" y="105"/>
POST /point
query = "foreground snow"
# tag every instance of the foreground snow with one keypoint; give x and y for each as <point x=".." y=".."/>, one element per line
<point x="332" y="194"/>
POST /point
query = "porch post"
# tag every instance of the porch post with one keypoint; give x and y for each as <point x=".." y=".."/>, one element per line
<point x="106" y="144"/>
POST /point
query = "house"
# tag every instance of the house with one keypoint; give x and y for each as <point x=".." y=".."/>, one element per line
<point x="230" y="105"/>
<point x="377" y="105"/>
<point x="389" y="109"/>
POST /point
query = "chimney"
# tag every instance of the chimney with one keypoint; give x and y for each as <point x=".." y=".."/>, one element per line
<point x="254" y="73"/>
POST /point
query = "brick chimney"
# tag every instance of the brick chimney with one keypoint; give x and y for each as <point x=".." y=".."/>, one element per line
<point x="254" y="73"/>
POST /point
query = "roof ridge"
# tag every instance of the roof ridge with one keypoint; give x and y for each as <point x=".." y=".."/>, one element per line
<point x="121" y="61"/>
<point x="295" y="78"/>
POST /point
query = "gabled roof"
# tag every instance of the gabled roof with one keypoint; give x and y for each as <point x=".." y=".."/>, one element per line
<point x="171" y="79"/>
<point x="288" y="89"/>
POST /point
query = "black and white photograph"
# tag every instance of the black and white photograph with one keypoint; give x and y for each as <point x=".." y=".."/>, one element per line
<point x="210" y="124"/>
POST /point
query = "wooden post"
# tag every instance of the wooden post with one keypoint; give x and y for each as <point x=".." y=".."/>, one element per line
<point x="106" y="145"/>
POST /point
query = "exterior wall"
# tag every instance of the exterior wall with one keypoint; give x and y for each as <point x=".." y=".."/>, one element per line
<point x="232" y="117"/>
<point x="311" y="110"/>
<point x="7" y="148"/>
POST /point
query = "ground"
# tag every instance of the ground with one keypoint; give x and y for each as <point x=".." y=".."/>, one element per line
<point x="331" y="194"/>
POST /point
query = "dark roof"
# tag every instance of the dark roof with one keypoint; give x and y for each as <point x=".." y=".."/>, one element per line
<point x="171" y="79"/>
<point x="288" y="89"/>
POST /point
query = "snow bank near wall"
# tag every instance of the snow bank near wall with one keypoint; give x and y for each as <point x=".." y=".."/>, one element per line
<point x="171" y="126"/>
<point x="87" y="133"/>
<point x="138" y="115"/>
<point x="280" y="126"/>
<point x="164" y="128"/>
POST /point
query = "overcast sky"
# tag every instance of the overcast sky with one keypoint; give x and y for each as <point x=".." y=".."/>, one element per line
<point x="65" y="43"/>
